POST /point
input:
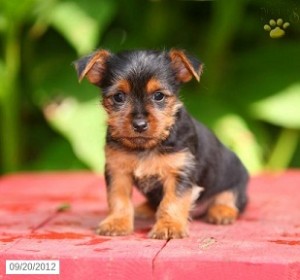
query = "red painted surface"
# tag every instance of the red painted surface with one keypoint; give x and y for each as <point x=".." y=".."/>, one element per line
<point x="263" y="244"/>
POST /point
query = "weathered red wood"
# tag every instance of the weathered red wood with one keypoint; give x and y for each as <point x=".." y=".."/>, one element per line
<point x="263" y="244"/>
<point x="31" y="228"/>
<point x="30" y="200"/>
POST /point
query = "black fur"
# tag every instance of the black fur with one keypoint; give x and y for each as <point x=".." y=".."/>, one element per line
<point x="215" y="167"/>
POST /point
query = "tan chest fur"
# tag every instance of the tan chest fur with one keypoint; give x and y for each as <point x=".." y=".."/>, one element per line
<point x="142" y="166"/>
<point x="145" y="164"/>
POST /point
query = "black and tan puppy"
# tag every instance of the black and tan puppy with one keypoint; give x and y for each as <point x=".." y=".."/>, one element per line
<point x="152" y="143"/>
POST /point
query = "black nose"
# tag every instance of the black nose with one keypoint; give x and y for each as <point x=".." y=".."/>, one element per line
<point x="139" y="124"/>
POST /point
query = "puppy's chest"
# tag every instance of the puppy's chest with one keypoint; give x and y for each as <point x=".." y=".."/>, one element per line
<point x="153" y="169"/>
<point x="147" y="184"/>
<point x="150" y="167"/>
<point x="156" y="165"/>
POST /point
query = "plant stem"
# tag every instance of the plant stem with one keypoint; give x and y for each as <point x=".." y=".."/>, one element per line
<point x="225" y="23"/>
<point x="10" y="106"/>
<point x="284" y="149"/>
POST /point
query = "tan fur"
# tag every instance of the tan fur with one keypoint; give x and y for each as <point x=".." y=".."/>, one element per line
<point x="163" y="165"/>
<point x="226" y="198"/>
<point x="127" y="164"/>
<point x="95" y="67"/>
<point x="147" y="163"/>
<point x="144" y="211"/>
<point x="107" y="102"/>
<point x="121" y="212"/>
<point x="153" y="85"/>
<point x="185" y="71"/>
<point x="223" y="208"/>
<point x="173" y="212"/>
<point x="123" y="86"/>
<point x="120" y="123"/>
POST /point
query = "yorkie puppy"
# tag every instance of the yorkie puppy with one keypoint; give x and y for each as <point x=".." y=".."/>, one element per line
<point x="154" y="144"/>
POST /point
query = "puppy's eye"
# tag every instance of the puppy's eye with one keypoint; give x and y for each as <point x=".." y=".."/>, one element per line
<point x="119" y="97"/>
<point x="158" y="96"/>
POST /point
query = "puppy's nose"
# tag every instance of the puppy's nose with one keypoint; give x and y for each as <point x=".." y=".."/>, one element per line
<point x="140" y="124"/>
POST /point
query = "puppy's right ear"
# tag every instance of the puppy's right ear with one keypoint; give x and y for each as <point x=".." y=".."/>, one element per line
<point x="92" y="66"/>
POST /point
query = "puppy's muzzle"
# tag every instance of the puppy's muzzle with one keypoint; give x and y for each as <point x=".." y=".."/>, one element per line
<point x="139" y="124"/>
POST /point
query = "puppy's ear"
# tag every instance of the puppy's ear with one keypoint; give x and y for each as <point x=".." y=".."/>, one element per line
<point x="92" y="66"/>
<point x="185" y="66"/>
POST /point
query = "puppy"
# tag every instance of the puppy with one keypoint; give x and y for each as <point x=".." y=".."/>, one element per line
<point x="154" y="144"/>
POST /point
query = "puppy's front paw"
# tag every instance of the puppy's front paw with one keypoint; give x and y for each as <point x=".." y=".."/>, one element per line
<point x="221" y="214"/>
<point x="113" y="226"/>
<point x="168" y="230"/>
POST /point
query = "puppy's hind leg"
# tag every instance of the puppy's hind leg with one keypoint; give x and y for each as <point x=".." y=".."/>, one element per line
<point x="223" y="209"/>
<point x="226" y="207"/>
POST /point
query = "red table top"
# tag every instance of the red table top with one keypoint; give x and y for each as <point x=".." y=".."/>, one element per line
<point x="263" y="244"/>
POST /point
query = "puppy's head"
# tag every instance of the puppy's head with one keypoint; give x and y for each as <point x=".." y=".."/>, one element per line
<point x="139" y="91"/>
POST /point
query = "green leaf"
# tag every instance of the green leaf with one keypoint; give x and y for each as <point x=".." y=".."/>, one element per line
<point x="83" y="124"/>
<point x="76" y="26"/>
<point x="2" y="79"/>
<point x="233" y="132"/>
<point x="284" y="149"/>
<point x="261" y="72"/>
<point x="17" y="11"/>
<point x="63" y="207"/>
<point x="55" y="78"/>
<point x="56" y="155"/>
<point x="80" y="26"/>
<point x="282" y="109"/>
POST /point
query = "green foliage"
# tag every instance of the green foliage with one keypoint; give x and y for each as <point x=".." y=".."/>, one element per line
<point x="281" y="109"/>
<point x="73" y="19"/>
<point x="249" y="92"/>
<point x="83" y="124"/>
<point x="233" y="130"/>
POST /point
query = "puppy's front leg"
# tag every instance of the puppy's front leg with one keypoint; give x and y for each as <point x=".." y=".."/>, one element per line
<point x="173" y="212"/>
<point x="121" y="212"/>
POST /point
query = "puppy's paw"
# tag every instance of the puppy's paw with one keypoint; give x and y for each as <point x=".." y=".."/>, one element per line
<point x="168" y="230"/>
<point x="221" y="214"/>
<point x="113" y="226"/>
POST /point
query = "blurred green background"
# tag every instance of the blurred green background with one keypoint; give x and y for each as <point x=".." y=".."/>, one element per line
<point x="249" y="93"/>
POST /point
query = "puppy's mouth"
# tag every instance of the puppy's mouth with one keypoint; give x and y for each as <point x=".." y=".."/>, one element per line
<point x="138" y="142"/>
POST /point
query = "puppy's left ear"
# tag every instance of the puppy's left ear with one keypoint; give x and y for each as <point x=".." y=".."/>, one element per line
<point x="92" y="66"/>
<point x="186" y="67"/>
